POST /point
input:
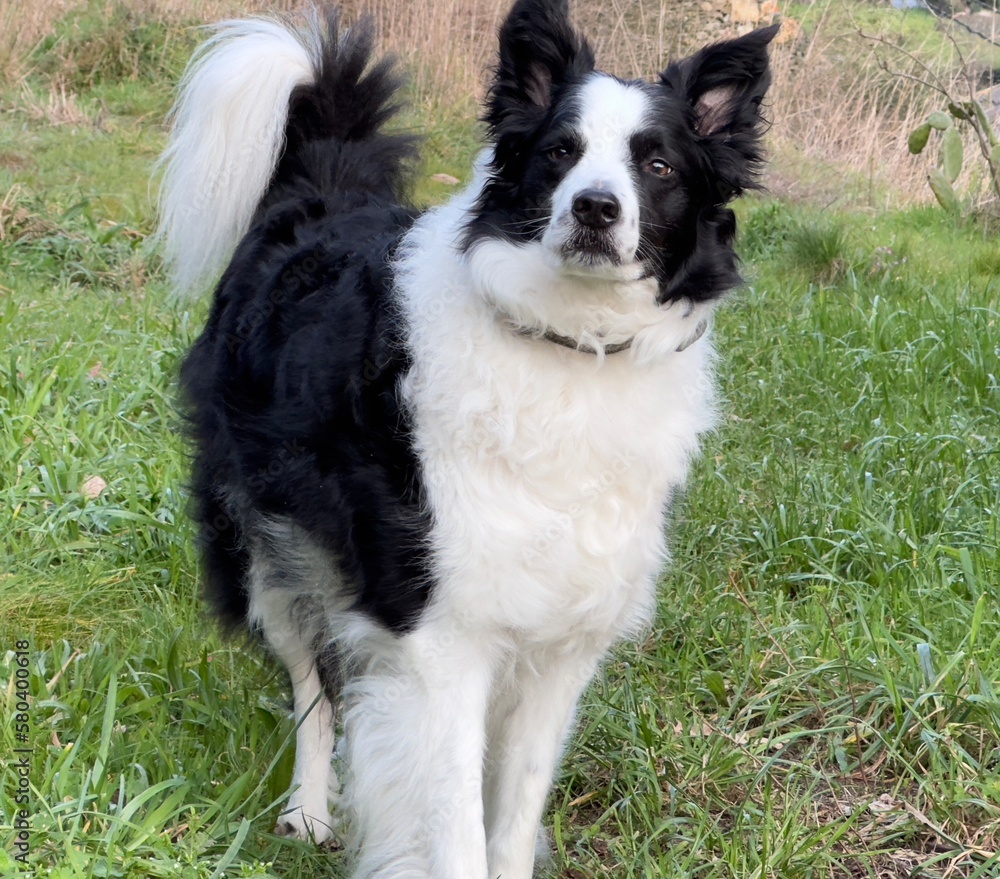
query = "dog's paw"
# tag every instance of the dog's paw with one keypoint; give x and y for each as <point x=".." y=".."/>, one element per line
<point x="295" y="824"/>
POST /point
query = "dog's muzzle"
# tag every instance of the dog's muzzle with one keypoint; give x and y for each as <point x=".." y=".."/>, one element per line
<point x="592" y="240"/>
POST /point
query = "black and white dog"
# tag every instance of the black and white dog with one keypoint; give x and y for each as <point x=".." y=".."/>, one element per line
<point x="435" y="450"/>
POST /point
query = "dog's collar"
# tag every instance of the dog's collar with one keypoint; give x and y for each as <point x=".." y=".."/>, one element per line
<point x="551" y="335"/>
<point x="574" y="344"/>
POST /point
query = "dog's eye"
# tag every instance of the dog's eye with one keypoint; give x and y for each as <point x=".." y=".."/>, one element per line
<point x="559" y="153"/>
<point x="658" y="167"/>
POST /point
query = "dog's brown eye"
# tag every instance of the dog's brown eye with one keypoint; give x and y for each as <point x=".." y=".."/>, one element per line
<point x="658" y="167"/>
<point x="559" y="153"/>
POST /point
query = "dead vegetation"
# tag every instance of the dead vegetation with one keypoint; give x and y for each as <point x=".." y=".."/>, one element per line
<point x="840" y="118"/>
<point x="22" y="27"/>
<point x="60" y="107"/>
<point x="20" y="218"/>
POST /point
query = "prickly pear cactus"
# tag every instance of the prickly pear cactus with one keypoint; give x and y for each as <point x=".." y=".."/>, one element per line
<point x="946" y="123"/>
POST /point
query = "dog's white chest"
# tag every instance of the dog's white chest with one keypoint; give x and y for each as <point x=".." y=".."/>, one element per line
<point x="548" y="476"/>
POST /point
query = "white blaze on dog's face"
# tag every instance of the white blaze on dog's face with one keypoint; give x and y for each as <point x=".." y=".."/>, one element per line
<point x="595" y="208"/>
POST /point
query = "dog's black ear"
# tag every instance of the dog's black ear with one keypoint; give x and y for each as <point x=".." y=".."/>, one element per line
<point x="725" y="82"/>
<point x="724" y="85"/>
<point x="539" y="52"/>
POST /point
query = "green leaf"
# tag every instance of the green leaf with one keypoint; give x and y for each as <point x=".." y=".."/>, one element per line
<point x="110" y="705"/>
<point x="939" y="120"/>
<point x="952" y="154"/>
<point x="943" y="192"/>
<point x="918" y="138"/>
<point x="992" y="135"/>
<point x="926" y="662"/>
<point x="232" y="851"/>
<point x="977" y="620"/>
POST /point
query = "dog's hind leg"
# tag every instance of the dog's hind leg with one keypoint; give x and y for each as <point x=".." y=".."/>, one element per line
<point x="287" y="630"/>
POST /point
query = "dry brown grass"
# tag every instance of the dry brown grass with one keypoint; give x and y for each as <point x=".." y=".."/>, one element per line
<point x="22" y="26"/>
<point x="444" y="45"/>
<point x="835" y="111"/>
<point x="836" y="108"/>
<point x="19" y="217"/>
<point x="841" y="122"/>
<point x="847" y="119"/>
<point x="59" y="107"/>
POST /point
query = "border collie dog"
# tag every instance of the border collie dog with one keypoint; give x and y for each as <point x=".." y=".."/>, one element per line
<point x="435" y="450"/>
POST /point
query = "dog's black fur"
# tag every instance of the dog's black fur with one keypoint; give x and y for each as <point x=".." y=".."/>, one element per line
<point x="292" y="389"/>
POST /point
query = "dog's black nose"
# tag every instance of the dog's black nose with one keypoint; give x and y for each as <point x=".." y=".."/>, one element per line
<point x="596" y="208"/>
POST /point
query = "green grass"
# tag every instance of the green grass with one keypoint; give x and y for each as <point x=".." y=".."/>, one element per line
<point x="817" y="697"/>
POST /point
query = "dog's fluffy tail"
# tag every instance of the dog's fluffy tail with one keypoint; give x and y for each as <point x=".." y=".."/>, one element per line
<point x="264" y="104"/>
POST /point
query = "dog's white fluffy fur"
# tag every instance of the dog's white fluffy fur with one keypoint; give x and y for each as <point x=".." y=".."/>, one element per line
<point x="548" y="474"/>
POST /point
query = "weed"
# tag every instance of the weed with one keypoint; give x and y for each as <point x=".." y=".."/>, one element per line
<point x="820" y="250"/>
<point x="765" y="228"/>
<point x="103" y="43"/>
<point x="987" y="262"/>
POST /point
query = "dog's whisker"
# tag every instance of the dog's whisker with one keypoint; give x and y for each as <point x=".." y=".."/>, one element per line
<point x="525" y="224"/>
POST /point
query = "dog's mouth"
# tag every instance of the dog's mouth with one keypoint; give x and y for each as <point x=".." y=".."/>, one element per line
<point x="587" y="248"/>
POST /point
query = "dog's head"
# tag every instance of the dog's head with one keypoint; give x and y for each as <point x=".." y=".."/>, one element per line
<point x="621" y="179"/>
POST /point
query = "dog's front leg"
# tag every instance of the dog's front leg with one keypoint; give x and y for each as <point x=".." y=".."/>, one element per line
<point x="415" y="733"/>
<point x="528" y="726"/>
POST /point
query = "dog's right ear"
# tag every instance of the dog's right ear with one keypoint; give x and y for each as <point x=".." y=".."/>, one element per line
<point x="539" y="52"/>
